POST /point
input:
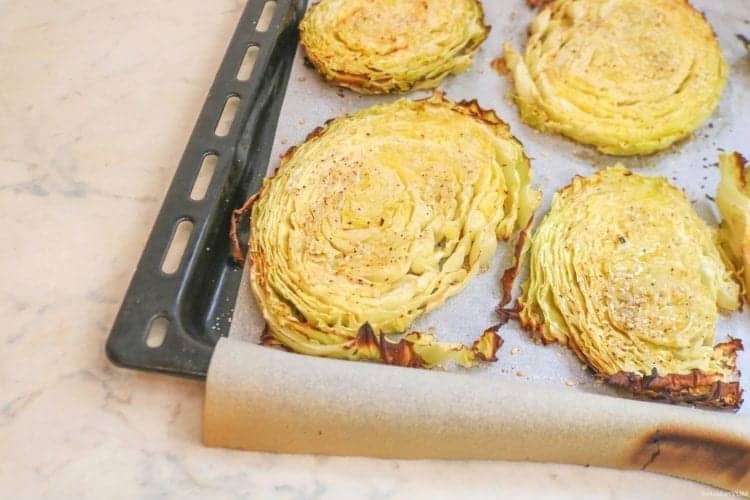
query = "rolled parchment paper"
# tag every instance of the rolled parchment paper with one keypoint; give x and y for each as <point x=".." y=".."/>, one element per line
<point x="263" y="399"/>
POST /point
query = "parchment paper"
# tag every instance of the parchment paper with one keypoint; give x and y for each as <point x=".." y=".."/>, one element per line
<point x="691" y="165"/>
<point x="268" y="400"/>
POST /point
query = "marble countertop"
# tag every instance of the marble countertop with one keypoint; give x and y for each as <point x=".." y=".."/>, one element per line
<point x="97" y="99"/>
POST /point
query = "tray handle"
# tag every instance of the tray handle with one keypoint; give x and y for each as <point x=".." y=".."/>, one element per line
<point x="197" y="300"/>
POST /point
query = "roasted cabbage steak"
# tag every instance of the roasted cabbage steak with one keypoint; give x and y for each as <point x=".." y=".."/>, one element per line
<point x="628" y="76"/>
<point x="624" y="272"/>
<point x="379" y="217"/>
<point x="391" y="45"/>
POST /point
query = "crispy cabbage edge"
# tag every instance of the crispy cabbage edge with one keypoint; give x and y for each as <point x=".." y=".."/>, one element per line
<point x="624" y="272"/>
<point x="501" y="202"/>
<point x="382" y="59"/>
<point x="642" y="104"/>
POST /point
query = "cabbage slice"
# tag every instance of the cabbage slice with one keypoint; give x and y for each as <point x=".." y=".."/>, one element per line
<point x="624" y="272"/>
<point x="392" y="45"/>
<point x="378" y="218"/>
<point x="628" y="77"/>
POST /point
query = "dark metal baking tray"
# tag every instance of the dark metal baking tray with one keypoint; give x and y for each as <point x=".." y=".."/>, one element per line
<point x="198" y="298"/>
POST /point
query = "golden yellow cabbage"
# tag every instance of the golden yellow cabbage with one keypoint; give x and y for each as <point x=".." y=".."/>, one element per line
<point x="733" y="200"/>
<point x="627" y="76"/>
<point x="392" y="45"/>
<point x="379" y="217"/>
<point x="624" y="272"/>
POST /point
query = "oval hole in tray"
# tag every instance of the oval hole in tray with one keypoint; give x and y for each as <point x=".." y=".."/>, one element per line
<point x="177" y="246"/>
<point x="264" y="21"/>
<point x="157" y="332"/>
<point x="248" y="62"/>
<point x="227" y="116"/>
<point x="205" y="174"/>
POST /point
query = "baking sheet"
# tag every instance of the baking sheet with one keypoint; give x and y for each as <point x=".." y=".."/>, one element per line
<point x="690" y="165"/>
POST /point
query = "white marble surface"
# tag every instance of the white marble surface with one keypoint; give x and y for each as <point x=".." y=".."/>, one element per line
<point x="97" y="99"/>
